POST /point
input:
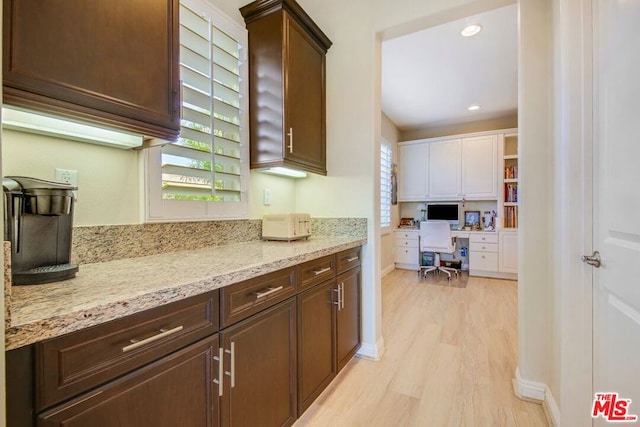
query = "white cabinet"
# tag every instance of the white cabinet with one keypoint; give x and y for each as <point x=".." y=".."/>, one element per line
<point x="480" y="167"/>
<point x="445" y="170"/>
<point x="413" y="177"/>
<point x="508" y="259"/>
<point x="483" y="253"/>
<point x="407" y="250"/>
<point x="449" y="169"/>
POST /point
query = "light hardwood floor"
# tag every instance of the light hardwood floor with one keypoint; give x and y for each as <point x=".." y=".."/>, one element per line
<point x="451" y="353"/>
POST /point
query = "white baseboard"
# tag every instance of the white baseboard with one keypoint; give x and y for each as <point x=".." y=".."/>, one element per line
<point x="551" y="409"/>
<point x="527" y="389"/>
<point x="537" y="392"/>
<point x="372" y="351"/>
<point x="388" y="269"/>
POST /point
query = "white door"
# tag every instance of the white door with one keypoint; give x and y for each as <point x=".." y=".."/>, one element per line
<point x="616" y="298"/>
<point x="445" y="170"/>
<point x="480" y="167"/>
<point x="413" y="177"/>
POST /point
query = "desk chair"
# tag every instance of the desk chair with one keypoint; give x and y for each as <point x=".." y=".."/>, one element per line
<point x="435" y="236"/>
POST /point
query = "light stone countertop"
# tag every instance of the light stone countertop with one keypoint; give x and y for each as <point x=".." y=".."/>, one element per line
<point x="109" y="290"/>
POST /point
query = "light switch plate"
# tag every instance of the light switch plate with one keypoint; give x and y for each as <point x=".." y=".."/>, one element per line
<point x="266" y="197"/>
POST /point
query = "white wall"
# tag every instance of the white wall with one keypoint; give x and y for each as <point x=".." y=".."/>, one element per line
<point x="535" y="169"/>
<point x="108" y="178"/>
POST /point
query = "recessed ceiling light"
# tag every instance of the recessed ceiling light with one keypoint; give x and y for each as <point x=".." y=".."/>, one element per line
<point x="471" y="30"/>
<point x="473" y="107"/>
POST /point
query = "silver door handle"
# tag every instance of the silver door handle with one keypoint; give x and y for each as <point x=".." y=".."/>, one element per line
<point x="322" y="270"/>
<point x="342" y="296"/>
<point x="337" y="291"/>
<point x="352" y="259"/>
<point x="139" y="343"/>
<point x="269" y="291"/>
<point x="593" y="260"/>
<point x="232" y="365"/>
<point x="220" y="359"/>
<point x="290" y="135"/>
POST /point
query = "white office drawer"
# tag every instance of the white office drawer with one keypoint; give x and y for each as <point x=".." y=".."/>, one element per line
<point x="407" y="234"/>
<point x="483" y="238"/>
<point x="406" y="243"/>
<point x="486" y="261"/>
<point x="406" y="255"/>
<point x="483" y="247"/>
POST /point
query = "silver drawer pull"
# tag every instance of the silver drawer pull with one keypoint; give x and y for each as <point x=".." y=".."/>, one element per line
<point x="322" y="270"/>
<point x="232" y="364"/>
<point x="352" y="259"/>
<point x="269" y="291"/>
<point x="163" y="333"/>
<point x="220" y="359"/>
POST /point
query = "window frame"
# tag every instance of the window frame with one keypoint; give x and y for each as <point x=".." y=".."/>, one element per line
<point x="385" y="190"/>
<point x="158" y="209"/>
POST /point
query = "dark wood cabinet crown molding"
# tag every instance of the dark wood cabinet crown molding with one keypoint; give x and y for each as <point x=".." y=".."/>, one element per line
<point x="261" y="8"/>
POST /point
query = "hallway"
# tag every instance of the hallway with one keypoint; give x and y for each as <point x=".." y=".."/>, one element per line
<point x="451" y="353"/>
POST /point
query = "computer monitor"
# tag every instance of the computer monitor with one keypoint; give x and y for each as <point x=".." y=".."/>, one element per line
<point x="445" y="212"/>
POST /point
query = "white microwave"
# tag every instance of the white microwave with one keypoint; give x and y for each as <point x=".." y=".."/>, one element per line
<point x="290" y="226"/>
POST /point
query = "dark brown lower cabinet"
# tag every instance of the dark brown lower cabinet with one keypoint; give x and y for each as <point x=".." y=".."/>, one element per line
<point x="348" y="322"/>
<point x="177" y="390"/>
<point x="259" y="387"/>
<point x="316" y="341"/>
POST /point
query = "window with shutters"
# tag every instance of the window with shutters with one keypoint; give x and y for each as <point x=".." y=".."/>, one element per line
<point x="204" y="174"/>
<point x="385" y="185"/>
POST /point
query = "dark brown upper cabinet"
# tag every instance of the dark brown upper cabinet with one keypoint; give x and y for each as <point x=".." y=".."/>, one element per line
<point x="286" y="86"/>
<point x="107" y="62"/>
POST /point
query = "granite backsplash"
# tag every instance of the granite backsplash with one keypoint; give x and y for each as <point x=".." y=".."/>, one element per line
<point x="113" y="242"/>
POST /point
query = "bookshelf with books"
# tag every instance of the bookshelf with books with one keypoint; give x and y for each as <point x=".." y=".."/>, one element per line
<point x="510" y="181"/>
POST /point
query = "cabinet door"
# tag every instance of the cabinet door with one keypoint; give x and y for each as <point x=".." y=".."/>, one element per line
<point x="413" y="179"/>
<point x="177" y="390"/>
<point x="480" y="167"/>
<point x="113" y="63"/>
<point x="316" y="341"/>
<point x="260" y="384"/>
<point x="304" y="86"/>
<point x="348" y="316"/>
<point x="508" y="252"/>
<point x="445" y="174"/>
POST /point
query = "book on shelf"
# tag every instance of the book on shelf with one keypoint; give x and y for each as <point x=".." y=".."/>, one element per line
<point x="511" y="172"/>
<point x="511" y="192"/>
<point x="510" y="217"/>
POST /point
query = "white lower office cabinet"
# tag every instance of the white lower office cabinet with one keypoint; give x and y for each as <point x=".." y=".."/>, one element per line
<point x="483" y="254"/>
<point x="407" y="250"/>
<point x="508" y="260"/>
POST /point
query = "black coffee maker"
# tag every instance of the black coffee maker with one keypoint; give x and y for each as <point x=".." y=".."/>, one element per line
<point x="38" y="223"/>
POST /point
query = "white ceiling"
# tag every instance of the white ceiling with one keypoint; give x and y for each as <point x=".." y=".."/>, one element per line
<point x="431" y="77"/>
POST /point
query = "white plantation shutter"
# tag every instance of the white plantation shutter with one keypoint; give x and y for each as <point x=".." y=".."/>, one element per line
<point x="385" y="185"/>
<point x="205" y="163"/>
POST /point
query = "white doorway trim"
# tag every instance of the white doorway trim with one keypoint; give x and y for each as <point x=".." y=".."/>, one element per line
<point x="573" y="231"/>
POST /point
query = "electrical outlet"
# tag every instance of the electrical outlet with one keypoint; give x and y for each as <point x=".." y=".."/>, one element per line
<point x="67" y="176"/>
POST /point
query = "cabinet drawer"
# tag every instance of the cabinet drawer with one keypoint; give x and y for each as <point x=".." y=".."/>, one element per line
<point x="73" y="363"/>
<point x="483" y="247"/>
<point x="483" y="238"/>
<point x="317" y="271"/>
<point x="348" y="259"/>
<point x="407" y="235"/>
<point x="486" y="261"/>
<point x="405" y="243"/>
<point x="243" y="299"/>
<point x="406" y="255"/>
